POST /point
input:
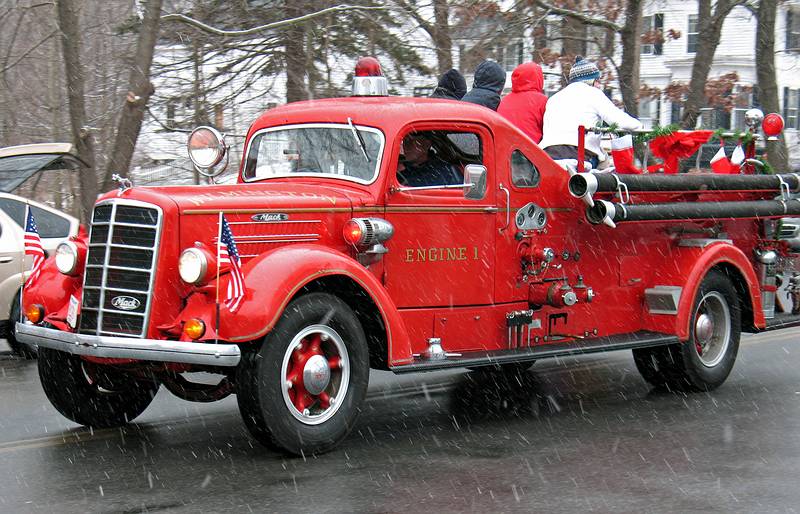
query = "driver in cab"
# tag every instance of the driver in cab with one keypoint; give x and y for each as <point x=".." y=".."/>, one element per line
<point x="420" y="166"/>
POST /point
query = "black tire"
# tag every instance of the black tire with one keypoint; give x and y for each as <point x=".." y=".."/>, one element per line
<point x="267" y="406"/>
<point x="90" y="394"/>
<point x="704" y="361"/>
<point x="21" y="349"/>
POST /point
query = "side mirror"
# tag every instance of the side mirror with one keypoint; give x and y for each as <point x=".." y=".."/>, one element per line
<point x="475" y="175"/>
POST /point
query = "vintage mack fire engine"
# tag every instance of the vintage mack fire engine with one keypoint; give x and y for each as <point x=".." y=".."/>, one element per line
<point x="360" y="250"/>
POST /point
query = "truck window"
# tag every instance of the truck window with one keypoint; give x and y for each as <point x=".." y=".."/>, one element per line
<point x="340" y="151"/>
<point x="523" y="172"/>
<point x="437" y="157"/>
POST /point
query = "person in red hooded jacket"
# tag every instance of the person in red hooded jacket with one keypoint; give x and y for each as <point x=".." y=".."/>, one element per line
<point x="524" y="106"/>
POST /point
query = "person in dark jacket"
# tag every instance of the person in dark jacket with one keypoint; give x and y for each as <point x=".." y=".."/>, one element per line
<point x="524" y="106"/>
<point x="452" y="85"/>
<point x="490" y="79"/>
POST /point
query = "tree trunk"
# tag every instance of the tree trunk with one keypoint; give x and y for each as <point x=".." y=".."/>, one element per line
<point x="295" y="54"/>
<point x="81" y="134"/>
<point x="709" y="27"/>
<point x="130" y="121"/>
<point x="441" y="36"/>
<point x="631" y="56"/>
<point x="767" y="82"/>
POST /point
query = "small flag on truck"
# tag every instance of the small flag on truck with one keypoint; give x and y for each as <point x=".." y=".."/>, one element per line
<point x="33" y="247"/>
<point x="228" y="254"/>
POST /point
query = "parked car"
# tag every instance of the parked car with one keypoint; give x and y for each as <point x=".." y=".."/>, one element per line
<point x="18" y="164"/>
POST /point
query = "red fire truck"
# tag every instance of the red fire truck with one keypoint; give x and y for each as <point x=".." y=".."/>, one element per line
<point x="359" y="249"/>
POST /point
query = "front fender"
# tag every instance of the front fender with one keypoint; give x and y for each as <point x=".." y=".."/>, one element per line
<point x="52" y="290"/>
<point x="274" y="278"/>
<point x="689" y="268"/>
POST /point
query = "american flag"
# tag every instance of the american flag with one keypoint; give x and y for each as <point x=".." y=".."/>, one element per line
<point x="33" y="247"/>
<point x="228" y="254"/>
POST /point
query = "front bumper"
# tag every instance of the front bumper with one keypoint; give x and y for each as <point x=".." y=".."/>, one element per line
<point x="108" y="347"/>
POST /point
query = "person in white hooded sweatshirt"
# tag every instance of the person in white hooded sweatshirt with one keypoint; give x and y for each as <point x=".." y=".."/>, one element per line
<point x="581" y="102"/>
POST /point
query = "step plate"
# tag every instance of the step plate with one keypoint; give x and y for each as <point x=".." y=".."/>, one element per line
<point x="629" y="341"/>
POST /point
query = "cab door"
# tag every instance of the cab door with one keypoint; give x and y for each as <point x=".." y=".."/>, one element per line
<point x="442" y="252"/>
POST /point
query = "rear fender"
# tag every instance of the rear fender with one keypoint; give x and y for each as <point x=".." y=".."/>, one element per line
<point x="689" y="269"/>
<point x="275" y="278"/>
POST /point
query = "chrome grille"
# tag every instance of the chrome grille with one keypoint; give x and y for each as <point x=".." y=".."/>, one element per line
<point x="120" y="268"/>
<point x="788" y="230"/>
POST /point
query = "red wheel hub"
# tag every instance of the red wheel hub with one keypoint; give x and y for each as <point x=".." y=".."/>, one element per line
<point x="308" y="374"/>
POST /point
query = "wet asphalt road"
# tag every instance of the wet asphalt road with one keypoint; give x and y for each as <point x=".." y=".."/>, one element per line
<point x="576" y="435"/>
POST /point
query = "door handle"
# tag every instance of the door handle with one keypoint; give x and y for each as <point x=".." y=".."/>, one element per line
<point x="508" y="206"/>
<point x="6" y="258"/>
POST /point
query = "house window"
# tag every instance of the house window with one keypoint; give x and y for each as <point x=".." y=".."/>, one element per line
<point x="691" y="34"/>
<point x="792" y="30"/>
<point x="650" y="112"/>
<point x="651" y="28"/>
<point x="791" y="107"/>
<point x="510" y="56"/>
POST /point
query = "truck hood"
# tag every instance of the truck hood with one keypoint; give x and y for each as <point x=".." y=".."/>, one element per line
<point x="271" y="196"/>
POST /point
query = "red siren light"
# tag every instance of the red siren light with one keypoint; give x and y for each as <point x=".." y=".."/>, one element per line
<point x="368" y="67"/>
<point x="772" y="124"/>
<point x="368" y="79"/>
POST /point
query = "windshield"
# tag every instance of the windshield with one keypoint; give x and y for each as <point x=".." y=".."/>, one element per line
<point x="309" y="150"/>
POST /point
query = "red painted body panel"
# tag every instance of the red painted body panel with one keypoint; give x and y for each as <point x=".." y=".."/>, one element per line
<point x="454" y="267"/>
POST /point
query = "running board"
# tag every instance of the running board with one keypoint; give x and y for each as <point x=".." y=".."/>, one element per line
<point x="782" y="320"/>
<point x="628" y="341"/>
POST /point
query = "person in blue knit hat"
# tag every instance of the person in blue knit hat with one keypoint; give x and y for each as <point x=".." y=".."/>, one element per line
<point x="581" y="102"/>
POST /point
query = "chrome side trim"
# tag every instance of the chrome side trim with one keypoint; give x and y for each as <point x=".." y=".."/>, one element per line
<point x="107" y="347"/>
<point x="702" y="242"/>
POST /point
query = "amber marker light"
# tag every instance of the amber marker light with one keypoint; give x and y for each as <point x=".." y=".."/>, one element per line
<point x="34" y="313"/>
<point x="194" y="328"/>
<point x="353" y="232"/>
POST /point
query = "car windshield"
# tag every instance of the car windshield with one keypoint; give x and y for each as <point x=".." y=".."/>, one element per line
<point x="341" y="151"/>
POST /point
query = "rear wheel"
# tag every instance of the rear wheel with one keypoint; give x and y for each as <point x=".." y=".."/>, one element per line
<point x="300" y="392"/>
<point x="704" y="361"/>
<point x="91" y="394"/>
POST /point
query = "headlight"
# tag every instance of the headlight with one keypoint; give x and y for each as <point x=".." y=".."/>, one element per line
<point x="206" y="147"/>
<point x="193" y="265"/>
<point x="67" y="257"/>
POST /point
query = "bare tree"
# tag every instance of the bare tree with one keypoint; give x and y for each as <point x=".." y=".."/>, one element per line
<point x="630" y="32"/>
<point x="130" y="121"/>
<point x="709" y="28"/>
<point x="438" y="28"/>
<point x="767" y="82"/>
<point x="82" y="136"/>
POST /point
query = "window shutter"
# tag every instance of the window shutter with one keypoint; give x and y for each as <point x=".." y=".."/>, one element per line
<point x="789" y="38"/>
<point x="658" y="25"/>
<point x="786" y="103"/>
<point x="797" y="112"/>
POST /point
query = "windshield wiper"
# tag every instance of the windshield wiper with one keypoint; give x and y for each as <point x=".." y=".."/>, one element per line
<point x="359" y="139"/>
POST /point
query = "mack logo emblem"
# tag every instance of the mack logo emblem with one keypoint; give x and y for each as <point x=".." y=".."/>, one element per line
<point x="125" y="303"/>
<point x="270" y="216"/>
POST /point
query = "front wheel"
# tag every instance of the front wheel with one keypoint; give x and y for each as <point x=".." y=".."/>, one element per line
<point x="704" y="361"/>
<point x="91" y="394"/>
<point x="21" y="349"/>
<point x="300" y="392"/>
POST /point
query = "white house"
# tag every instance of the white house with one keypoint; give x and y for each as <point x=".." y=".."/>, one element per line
<point x="661" y="65"/>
